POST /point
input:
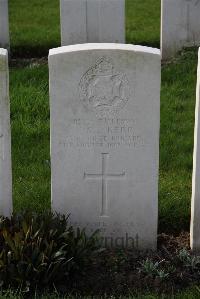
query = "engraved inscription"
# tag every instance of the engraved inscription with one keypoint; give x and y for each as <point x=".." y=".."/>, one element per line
<point x="102" y="133"/>
<point x="102" y="225"/>
<point x="103" y="89"/>
<point x="104" y="176"/>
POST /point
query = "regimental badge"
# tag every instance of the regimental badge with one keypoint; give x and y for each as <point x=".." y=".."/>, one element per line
<point x="103" y="89"/>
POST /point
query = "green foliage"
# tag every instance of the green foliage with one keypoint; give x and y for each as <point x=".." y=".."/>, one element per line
<point x="34" y="28"/>
<point x="184" y="256"/>
<point x="188" y="260"/>
<point x="149" y="267"/>
<point x="176" y="141"/>
<point x="162" y="274"/>
<point x="30" y="111"/>
<point x="153" y="269"/>
<point x="29" y="98"/>
<point x="176" y="266"/>
<point x="38" y="250"/>
<point x="35" y="25"/>
<point x="143" y="22"/>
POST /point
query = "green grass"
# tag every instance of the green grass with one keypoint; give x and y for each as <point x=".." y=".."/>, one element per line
<point x="30" y="139"/>
<point x="189" y="294"/>
<point x="34" y="28"/>
<point x="176" y="142"/>
<point x="143" y="22"/>
<point x="35" y="25"/>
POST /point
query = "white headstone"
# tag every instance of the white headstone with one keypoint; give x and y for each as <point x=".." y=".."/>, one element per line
<point x="92" y="21"/>
<point x="5" y="138"/>
<point x="195" y="209"/>
<point x="105" y="107"/>
<point x="4" y="25"/>
<point x="180" y="25"/>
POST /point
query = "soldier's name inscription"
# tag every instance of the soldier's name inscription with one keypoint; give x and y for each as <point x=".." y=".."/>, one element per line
<point x="103" y="132"/>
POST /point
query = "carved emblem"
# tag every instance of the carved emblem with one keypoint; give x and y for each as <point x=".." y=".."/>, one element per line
<point x="103" y="89"/>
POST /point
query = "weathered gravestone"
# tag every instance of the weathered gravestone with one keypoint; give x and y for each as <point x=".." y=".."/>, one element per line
<point x="5" y="142"/>
<point x="105" y="106"/>
<point x="4" y="25"/>
<point x="195" y="213"/>
<point x="180" y="25"/>
<point x="92" y="21"/>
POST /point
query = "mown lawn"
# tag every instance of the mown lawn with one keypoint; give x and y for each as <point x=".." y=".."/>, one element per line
<point x="34" y="29"/>
<point x="30" y="139"/>
<point x="30" y="136"/>
<point x="176" y="141"/>
<point x="143" y="22"/>
<point x="35" y="25"/>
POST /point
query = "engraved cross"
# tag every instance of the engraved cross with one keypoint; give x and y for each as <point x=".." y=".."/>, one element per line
<point x="104" y="176"/>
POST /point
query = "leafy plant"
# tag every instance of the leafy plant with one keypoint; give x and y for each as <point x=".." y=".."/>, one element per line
<point x="184" y="255"/>
<point x="151" y="268"/>
<point x="162" y="274"/>
<point x="41" y="249"/>
<point x="189" y="260"/>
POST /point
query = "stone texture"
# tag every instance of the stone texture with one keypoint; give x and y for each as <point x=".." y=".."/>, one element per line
<point x="195" y="209"/>
<point x="92" y="21"/>
<point x="105" y="107"/>
<point x="180" y="25"/>
<point x="5" y="138"/>
<point x="4" y="25"/>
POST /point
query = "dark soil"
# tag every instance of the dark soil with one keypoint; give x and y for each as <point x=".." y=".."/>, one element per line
<point x="120" y="272"/>
<point x="31" y="62"/>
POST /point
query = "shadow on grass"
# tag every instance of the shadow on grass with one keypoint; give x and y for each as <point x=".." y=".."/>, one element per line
<point x="39" y="51"/>
<point x="27" y="51"/>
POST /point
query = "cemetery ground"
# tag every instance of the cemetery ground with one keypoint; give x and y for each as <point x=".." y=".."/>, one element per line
<point x="35" y="29"/>
<point x="30" y="138"/>
<point x="31" y="164"/>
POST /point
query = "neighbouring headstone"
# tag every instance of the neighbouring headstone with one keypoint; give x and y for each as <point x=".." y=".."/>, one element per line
<point x="180" y="25"/>
<point x="5" y="138"/>
<point x="92" y="21"/>
<point x="105" y="107"/>
<point x="195" y="209"/>
<point x="4" y="25"/>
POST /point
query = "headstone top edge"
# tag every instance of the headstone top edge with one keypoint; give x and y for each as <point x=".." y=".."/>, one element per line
<point x="3" y="52"/>
<point x="104" y="46"/>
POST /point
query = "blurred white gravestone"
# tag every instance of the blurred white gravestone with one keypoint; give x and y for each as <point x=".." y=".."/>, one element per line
<point x="180" y="25"/>
<point x="105" y="107"/>
<point x="92" y="21"/>
<point x="195" y="210"/>
<point x="5" y="138"/>
<point x="4" y="25"/>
